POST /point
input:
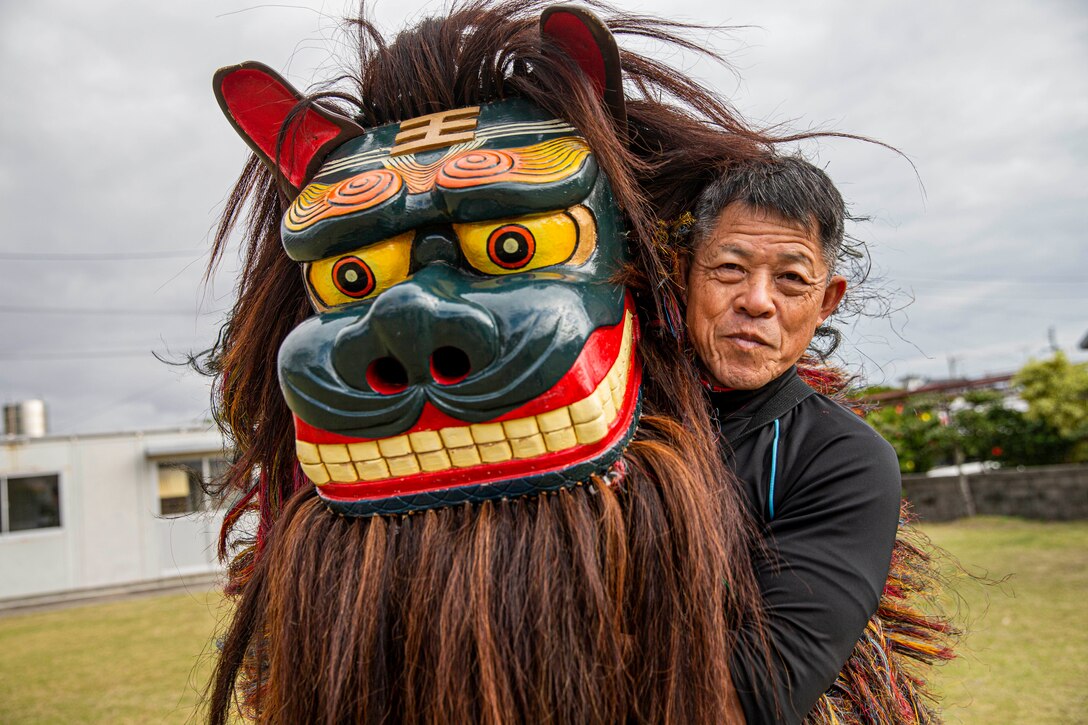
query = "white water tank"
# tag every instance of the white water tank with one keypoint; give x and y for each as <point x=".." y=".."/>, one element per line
<point x="26" y="418"/>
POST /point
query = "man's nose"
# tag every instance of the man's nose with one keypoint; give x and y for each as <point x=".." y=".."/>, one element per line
<point x="756" y="298"/>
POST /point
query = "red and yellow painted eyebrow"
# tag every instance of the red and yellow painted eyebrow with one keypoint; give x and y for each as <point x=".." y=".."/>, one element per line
<point x="362" y="191"/>
<point x="541" y="163"/>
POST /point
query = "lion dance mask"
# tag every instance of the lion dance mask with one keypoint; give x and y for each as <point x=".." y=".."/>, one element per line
<point x="469" y="343"/>
<point x="462" y="517"/>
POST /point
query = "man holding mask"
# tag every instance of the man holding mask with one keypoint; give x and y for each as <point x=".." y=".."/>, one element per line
<point x="823" y="486"/>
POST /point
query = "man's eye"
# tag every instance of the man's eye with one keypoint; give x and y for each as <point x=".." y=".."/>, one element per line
<point x="793" y="277"/>
<point x="729" y="270"/>
<point x="793" y="283"/>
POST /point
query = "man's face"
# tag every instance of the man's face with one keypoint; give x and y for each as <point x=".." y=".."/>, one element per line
<point x="757" y="289"/>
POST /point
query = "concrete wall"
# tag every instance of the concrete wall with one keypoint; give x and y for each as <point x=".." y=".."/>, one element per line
<point x="1050" y="493"/>
<point x="111" y="532"/>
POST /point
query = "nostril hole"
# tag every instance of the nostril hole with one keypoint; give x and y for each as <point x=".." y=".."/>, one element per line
<point x="387" y="376"/>
<point x="449" y="365"/>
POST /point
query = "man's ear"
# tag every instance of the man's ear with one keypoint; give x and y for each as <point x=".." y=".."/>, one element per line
<point x="836" y="288"/>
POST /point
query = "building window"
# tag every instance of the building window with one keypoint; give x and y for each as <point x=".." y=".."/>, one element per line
<point x="29" y="502"/>
<point x="181" y="484"/>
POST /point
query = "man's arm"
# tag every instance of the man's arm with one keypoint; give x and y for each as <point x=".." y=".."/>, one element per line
<point x="828" y="549"/>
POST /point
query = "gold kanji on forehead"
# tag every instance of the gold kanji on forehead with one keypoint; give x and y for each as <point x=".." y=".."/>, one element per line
<point x="436" y="130"/>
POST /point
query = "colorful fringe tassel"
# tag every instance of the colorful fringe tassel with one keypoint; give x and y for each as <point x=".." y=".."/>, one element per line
<point x="885" y="680"/>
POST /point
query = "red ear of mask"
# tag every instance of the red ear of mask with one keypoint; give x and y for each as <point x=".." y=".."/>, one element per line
<point x="584" y="38"/>
<point x="257" y="101"/>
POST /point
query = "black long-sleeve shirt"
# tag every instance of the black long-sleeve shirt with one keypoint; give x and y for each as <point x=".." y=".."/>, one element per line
<point x="829" y="528"/>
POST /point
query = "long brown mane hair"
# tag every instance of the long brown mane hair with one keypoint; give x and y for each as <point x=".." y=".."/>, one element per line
<point x="601" y="603"/>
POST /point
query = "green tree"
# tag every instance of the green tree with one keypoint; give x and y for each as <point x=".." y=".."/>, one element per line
<point x="987" y="430"/>
<point x="914" y="429"/>
<point x="926" y="430"/>
<point x="1056" y="392"/>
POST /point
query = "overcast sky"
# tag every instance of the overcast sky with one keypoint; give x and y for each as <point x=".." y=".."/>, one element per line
<point x="114" y="161"/>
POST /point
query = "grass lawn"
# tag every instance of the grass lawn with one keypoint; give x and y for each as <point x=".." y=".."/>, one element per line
<point x="138" y="660"/>
<point x="1025" y="658"/>
<point x="144" y="660"/>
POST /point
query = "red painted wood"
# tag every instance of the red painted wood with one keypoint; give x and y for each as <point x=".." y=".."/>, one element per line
<point x="259" y="104"/>
<point x="571" y="33"/>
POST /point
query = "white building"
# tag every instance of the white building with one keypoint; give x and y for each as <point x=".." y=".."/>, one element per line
<point x="95" y="511"/>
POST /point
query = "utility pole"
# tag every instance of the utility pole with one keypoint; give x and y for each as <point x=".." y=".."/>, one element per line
<point x="952" y="360"/>
<point x="965" y="486"/>
<point x="957" y="454"/>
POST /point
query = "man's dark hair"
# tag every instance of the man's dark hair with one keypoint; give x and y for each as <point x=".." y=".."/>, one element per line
<point x="787" y="185"/>
<point x="800" y="192"/>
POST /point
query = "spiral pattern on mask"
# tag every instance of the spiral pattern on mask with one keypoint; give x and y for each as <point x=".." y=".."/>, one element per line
<point x="469" y="169"/>
<point x="365" y="190"/>
<point x="359" y="192"/>
<point x="540" y="163"/>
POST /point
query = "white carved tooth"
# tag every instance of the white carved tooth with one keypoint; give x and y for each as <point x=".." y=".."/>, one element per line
<point x="488" y="432"/>
<point x="495" y="452"/>
<point x="603" y="393"/>
<point x="560" y="440"/>
<point x="425" y="441"/>
<point x="374" y="470"/>
<point x="364" y="451"/>
<point x="307" y="452"/>
<point x="403" y="465"/>
<point x="617" y="399"/>
<point x="464" y="457"/>
<point x="395" y="447"/>
<point x="341" y="472"/>
<point x="554" y="420"/>
<point x="592" y="431"/>
<point x="528" y="447"/>
<point x="609" y="413"/>
<point x="434" y="461"/>
<point x="458" y="437"/>
<point x="316" y="472"/>
<point x="334" y="453"/>
<point x="520" y="428"/>
<point x="585" y="410"/>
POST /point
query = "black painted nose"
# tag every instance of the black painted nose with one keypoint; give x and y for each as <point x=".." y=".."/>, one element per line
<point x="421" y="331"/>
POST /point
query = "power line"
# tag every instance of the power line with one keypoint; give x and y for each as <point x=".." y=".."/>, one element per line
<point x="140" y="394"/>
<point x="87" y="354"/>
<point x="1063" y="315"/>
<point x="976" y="279"/>
<point x="98" y="257"/>
<point x="119" y="312"/>
<point x="989" y="298"/>
<point x="76" y="355"/>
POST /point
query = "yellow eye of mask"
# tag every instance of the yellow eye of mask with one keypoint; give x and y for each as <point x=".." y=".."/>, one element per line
<point x="496" y="247"/>
<point x="507" y="246"/>
<point x="361" y="274"/>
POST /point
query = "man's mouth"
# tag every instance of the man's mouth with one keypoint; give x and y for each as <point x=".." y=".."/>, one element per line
<point x="747" y="340"/>
<point x="426" y="458"/>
